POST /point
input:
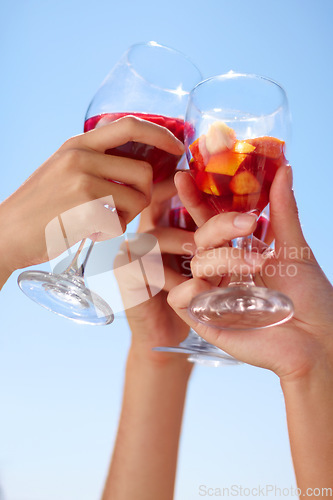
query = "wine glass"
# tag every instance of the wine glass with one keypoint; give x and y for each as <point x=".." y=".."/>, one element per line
<point x="237" y="126"/>
<point x="152" y="82"/>
<point x="195" y="347"/>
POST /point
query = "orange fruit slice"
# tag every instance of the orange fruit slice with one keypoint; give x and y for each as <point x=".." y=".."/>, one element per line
<point x="244" y="183"/>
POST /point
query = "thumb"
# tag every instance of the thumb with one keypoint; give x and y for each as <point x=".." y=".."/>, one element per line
<point x="284" y="213"/>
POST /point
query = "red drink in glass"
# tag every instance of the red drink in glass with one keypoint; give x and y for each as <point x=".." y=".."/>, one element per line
<point x="163" y="163"/>
<point x="180" y="218"/>
<point x="237" y="179"/>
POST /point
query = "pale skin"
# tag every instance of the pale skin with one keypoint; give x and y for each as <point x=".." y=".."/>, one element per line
<point x="300" y="352"/>
<point x="75" y="175"/>
<point x="144" y="460"/>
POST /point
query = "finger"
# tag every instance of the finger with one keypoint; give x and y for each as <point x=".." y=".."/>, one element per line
<point x="175" y="241"/>
<point x="180" y="297"/>
<point x="135" y="173"/>
<point x="172" y="278"/>
<point x="127" y="201"/>
<point x="239" y="344"/>
<point x="284" y="213"/>
<point x="192" y="199"/>
<point x="128" y="128"/>
<point x="226" y="261"/>
<point x="91" y="218"/>
<point x="222" y="228"/>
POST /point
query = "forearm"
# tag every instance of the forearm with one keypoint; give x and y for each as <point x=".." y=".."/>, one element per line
<point x="144" y="461"/>
<point x="309" y="406"/>
<point x="4" y="275"/>
<point x="5" y="270"/>
<point x="6" y="250"/>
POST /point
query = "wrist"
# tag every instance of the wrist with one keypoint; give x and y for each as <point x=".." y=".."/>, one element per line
<point x="312" y="388"/>
<point x="143" y="357"/>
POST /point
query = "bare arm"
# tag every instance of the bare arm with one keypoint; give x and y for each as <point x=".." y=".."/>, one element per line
<point x="144" y="459"/>
<point x="300" y="351"/>
<point x="309" y="407"/>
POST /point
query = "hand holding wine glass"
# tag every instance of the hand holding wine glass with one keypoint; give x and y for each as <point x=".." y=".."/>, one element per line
<point x="151" y="82"/>
<point x="72" y="182"/>
<point x="286" y="349"/>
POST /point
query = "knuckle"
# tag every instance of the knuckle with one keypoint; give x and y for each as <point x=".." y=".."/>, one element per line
<point x="146" y="178"/>
<point x="71" y="143"/>
<point x="147" y="171"/>
<point x="131" y="124"/>
<point x="172" y="297"/>
<point x="195" y="267"/>
<point x="83" y="184"/>
<point x="197" y="238"/>
<point x="73" y="158"/>
<point x="143" y="200"/>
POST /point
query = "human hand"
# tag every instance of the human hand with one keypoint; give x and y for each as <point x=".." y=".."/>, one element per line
<point x="73" y="185"/>
<point x="292" y="350"/>
<point x="153" y="322"/>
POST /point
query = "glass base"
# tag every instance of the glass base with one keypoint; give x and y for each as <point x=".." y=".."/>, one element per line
<point x="241" y="308"/>
<point x="201" y="352"/>
<point x="203" y="360"/>
<point x="66" y="295"/>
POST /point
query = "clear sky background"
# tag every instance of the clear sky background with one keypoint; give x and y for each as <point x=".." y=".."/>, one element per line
<point x="61" y="383"/>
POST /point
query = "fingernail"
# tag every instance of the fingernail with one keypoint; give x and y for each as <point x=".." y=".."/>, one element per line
<point x="289" y="174"/>
<point x="244" y="221"/>
<point x="181" y="146"/>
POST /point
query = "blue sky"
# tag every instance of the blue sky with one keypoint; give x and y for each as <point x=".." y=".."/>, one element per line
<point x="61" y="383"/>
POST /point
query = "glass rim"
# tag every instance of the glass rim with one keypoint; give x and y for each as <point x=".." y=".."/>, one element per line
<point x="168" y="49"/>
<point x="234" y="74"/>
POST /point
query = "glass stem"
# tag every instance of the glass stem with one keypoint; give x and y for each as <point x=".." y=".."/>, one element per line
<point x="243" y="243"/>
<point x="75" y="268"/>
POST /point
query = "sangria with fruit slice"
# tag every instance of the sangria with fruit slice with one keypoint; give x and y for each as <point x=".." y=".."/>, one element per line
<point x="236" y="129"/>
<point x="235" y="175"/>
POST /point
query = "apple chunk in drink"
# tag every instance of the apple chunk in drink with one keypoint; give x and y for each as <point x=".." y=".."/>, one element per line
<point x="235" y="175"/>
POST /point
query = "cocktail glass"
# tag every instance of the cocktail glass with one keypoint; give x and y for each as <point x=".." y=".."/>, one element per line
<point x="152" y="82"/>
<point x="237" y="126"/>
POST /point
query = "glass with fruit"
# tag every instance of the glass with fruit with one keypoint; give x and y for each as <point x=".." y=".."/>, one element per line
<point x="195" y="347"/>
<point x="236" y="130"/>
<point x="151" y="82"/>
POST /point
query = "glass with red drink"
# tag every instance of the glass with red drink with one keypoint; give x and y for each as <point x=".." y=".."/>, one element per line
<point x="236" y="130"/>
<point x="151" y="82"/>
